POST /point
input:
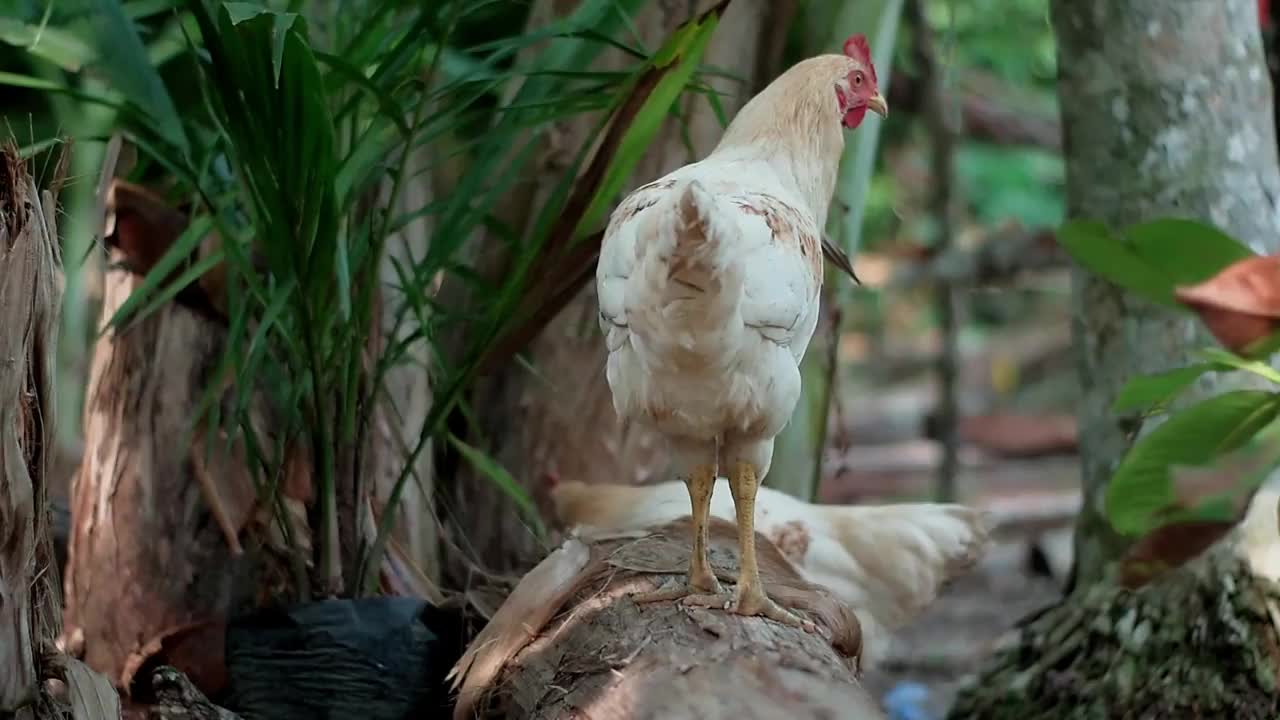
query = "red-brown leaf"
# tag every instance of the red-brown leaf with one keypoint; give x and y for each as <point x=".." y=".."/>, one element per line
<point x="1175" y="544"/>
<point x="1241" y="304"/>
<point x="1168" y="547"/>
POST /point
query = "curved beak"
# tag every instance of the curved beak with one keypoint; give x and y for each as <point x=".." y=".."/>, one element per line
<point x="877" y="104"/>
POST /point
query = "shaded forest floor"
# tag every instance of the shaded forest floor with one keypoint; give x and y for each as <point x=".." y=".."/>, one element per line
<point x="962" y="628"/>
<point x="1022" y="573"/>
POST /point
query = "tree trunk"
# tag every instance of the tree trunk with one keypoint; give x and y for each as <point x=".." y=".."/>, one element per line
<point x="1199" y="644"/>
<point x="558" y="419"/>
<point x="407" y="396"/>
<point x="1167" y="111"/>
<point x="147" y="557"/>
<point x="30" y="297"/>
<point x="611" y="658"/>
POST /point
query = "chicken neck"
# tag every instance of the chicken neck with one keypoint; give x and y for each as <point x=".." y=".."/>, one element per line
<point x="793" y="125"/>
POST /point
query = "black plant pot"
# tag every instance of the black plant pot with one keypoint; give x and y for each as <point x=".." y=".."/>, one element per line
<point x="369" y="659"/>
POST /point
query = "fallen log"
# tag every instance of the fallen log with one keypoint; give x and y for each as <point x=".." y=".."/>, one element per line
<point x="570" y="641"/>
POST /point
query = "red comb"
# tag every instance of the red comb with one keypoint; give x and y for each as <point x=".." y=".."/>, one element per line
<point x="857" y="48"/>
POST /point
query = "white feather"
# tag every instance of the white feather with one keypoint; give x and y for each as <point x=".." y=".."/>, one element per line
<point x="706" y="324"/>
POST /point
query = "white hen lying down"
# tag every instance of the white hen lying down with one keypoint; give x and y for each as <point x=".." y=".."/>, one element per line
<point x="886" y="562"/>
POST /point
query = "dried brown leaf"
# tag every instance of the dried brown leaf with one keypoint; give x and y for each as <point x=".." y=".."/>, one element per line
<point x="534" y="601"/>
<point x="1241" y="304"/>
<point x="1020" y="435"/>
<point x="141" y="225"/>
<point x="1168" y="547"/>
<point x="222" y="471"/>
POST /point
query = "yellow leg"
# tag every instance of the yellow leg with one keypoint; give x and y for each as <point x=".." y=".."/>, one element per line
<point x="702" y="586"/>
<point x="701" y="576"/>
<point x="751" y="598"/>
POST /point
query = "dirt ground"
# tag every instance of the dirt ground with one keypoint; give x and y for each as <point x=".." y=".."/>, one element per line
<point x="961" y="629"/>
<point x="1034" y="502"/>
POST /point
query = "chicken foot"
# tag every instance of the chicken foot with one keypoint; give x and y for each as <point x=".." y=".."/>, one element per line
<point x="701" y="587"/>
<point x="751" y="598"/>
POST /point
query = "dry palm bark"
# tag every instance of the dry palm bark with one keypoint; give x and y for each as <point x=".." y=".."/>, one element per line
<point x="31" y="284"/>
<point x="149" y="565"/>
<point x="30" y="296"/>
<point x="570" y="642"/>
<point x="1167" y="111"/>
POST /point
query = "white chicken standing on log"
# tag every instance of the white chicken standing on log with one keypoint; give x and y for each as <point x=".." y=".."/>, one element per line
<point x="708" y="285"/>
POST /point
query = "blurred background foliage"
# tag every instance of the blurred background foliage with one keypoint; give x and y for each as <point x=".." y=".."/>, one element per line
<point x="996" y="53"/>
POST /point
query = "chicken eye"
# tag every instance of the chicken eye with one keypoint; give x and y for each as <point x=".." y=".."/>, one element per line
<point x="857" y="79"/>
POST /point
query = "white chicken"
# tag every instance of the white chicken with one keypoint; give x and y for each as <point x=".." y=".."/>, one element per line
<point x="708" y="286"/>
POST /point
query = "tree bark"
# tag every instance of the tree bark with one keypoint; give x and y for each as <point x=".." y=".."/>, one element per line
<point x="147" y="559"/>
<point x="1199" y="644"/>
<point x="607" y="657"/>
<point x="407" y="396"/>
<point x="558" y="419"/>
<point x="30" y="298"/>
<point x="1167" y="111"/>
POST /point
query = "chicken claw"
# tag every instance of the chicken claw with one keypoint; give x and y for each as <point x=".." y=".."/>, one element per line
<point x="757" y="603"/>
<point x="686" y="592"/>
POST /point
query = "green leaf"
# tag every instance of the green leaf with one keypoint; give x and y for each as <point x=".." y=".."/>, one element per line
<point x="1222" y="490"/>
<point x="1185" y="251"/>
<point x="676" y="62"/>
<point x="499" y="475"/>
<point x="1151" y="259"/>
<point x="181" y="250"/>
<point x="1149" y="391"/>
<point x="879" y="20"/>
<point x="1141" y="486"/>
<point x="1228" y="359"/>
<point x="60" y="47"/>
<point x="188" y="276"/>
<point x="1097" y="249"/>
<point x="122" y="57"/>
<point x="281" y="24"/>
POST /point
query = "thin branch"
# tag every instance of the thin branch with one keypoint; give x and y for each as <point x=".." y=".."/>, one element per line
<point x="943" y="206"/>
<point x="983" y="118"/>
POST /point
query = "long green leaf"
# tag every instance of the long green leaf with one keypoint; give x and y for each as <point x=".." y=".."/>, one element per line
<point x="123" y="59"/>
<point x="179" y="252"/>
<point x="1151" y="259"/>
<point x="1149" y="391"/>
<point x="503" y="479"/>
<point x="1141" y="486"/>
<point x="60" y="47"/>
<point x="879" y="21"/>
<point x="672" y="66"/>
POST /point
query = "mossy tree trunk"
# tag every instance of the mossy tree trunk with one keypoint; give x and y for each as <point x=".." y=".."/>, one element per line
<point x="1167" y="112"/>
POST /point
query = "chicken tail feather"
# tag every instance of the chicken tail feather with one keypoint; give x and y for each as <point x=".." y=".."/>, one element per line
<point x="697" y="259"/>
<point x="690" y="284"/>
